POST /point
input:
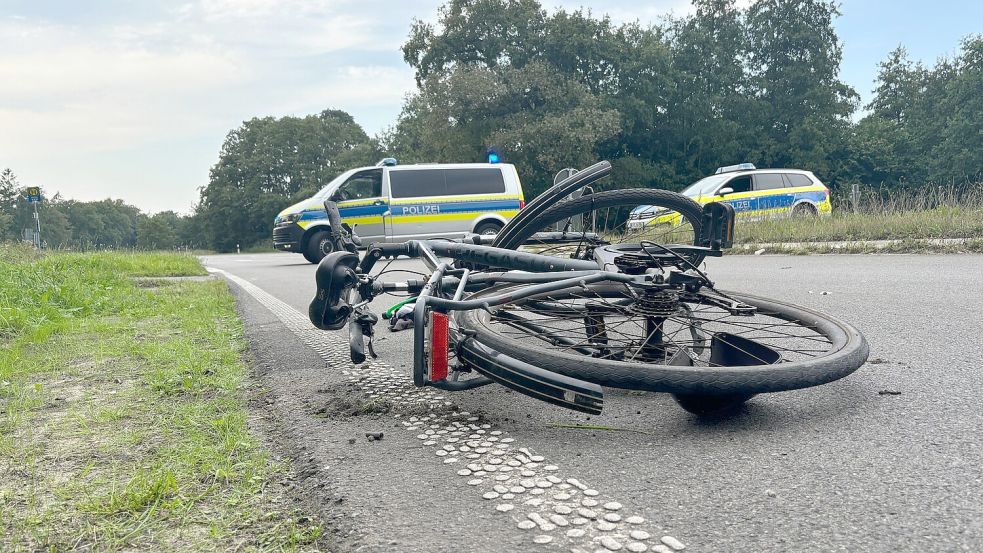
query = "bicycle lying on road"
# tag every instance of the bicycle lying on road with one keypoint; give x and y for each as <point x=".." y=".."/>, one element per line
<point x="572" y="296"/>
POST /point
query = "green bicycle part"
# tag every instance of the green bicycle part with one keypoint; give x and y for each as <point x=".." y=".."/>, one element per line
<point x="392" y="310"/>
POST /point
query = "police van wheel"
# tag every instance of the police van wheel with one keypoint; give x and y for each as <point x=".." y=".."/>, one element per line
<point x="489" y="228"/>
<point x="318" y="246"/>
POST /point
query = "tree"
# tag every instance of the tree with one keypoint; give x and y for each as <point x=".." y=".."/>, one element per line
<point x="268" y="163"/>
<point x="899" y="83"/>
<point x="9" y="194"/>
<point x="536" y="117"/>
<point x="101" y="224"/>
<point x="802" y="110"/>
<point x="706" y="122"/>
<point x="947" y="120"/>
<point x="159" y="232"/>
<point x="482" y="33"/>
<point x="925" y="124"/>
<point x="56" y="229"/>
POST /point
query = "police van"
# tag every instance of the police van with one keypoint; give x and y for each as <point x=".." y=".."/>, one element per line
<point x="395" y="203"/>
<point x="754" y="193"/>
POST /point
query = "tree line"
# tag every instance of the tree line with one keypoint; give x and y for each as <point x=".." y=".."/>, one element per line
<point x="91" y="225"/>
<point x="665" y="103"/>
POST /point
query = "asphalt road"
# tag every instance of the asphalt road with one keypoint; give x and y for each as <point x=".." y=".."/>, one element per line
<point x="840" y="467"/>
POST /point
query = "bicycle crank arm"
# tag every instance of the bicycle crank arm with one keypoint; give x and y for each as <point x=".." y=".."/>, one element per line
<point x="537" y="383"/>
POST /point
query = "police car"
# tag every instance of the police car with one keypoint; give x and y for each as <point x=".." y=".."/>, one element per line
<point x="754" y="193"/>
<point x="394" y="203"/>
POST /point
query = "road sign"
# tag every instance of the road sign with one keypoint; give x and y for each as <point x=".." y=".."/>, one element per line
<point x="33" y="194"/>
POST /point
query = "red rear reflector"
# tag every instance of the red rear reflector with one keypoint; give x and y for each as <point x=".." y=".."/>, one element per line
<point x="522" y="204"/>
<point x="438" y="346"/>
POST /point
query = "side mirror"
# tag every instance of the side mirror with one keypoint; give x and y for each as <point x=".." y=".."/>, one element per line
<point x="725" y="190"/>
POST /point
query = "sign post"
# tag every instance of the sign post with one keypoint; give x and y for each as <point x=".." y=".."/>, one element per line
<point x="34" y="197"/>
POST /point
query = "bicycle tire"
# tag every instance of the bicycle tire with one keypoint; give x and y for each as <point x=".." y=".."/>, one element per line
<point x="544" y="201"/>
<point x="692" y="211"/>
<point x="850" y="353"/>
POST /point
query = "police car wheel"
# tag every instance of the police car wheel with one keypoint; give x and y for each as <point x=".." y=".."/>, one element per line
<point x="318" y="246"/>
<point x="803" y="211"/>
<point x="488" y="229"/>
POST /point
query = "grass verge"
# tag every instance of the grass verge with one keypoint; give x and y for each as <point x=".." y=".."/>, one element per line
<point x="122" y="417"/>
<point x="906" y="226"/>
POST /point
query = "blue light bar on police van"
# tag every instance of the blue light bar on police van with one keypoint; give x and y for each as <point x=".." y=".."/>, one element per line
<point x="387" y="162"/>
<point x="738" y="167"/>
<point x="493" y="156"/>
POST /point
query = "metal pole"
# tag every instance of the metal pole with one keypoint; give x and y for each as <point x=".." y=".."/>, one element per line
<point x="37" y="222"/>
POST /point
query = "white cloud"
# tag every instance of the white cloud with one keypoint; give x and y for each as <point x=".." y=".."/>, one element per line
<point x="72" y="89"/>
<point x="122" y="105"/>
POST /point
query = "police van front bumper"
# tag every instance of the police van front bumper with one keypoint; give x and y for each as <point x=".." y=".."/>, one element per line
<point x="287" y="237"/>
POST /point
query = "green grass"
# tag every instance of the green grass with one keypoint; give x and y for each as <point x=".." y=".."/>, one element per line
<point x="910" y="216"/>
<point x="943" y="222"/>
<point x="122" y="412"/>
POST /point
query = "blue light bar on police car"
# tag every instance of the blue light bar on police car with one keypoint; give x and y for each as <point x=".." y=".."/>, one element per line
<point x="738" y="167"/>
<point x="387" y="162"/>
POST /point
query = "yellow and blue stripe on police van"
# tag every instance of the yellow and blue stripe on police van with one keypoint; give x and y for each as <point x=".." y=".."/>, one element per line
<point x="453" y="208"/>
<point x="416" y="210"/>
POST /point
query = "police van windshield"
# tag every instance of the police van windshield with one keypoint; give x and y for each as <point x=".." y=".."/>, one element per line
<point x="705" y="186"/>
<point x="325" y="192"/>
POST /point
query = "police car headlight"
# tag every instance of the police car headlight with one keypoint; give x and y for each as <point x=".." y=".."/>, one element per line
<point x="648" y="214"/>
<point x="291" y="218"/>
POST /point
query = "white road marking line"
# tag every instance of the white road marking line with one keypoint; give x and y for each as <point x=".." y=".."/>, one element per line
<point x="510" y="476"/>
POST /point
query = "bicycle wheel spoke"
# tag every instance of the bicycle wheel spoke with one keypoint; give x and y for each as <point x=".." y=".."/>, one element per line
<point x="605" y="323"/>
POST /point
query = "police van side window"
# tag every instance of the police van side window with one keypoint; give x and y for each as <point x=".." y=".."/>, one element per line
<point x="361" y="185"/>
<point x="417" y="182"/>
<point x="474" y="181"/>
<point x="798" y="179"/>
<point x="446" y="182"/>
<point x="769" y="181"/>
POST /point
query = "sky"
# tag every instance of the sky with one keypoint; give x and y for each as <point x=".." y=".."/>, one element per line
<point x="132" y="99"/>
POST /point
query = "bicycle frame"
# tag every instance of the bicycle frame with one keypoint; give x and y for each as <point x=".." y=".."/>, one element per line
<point x="443" y="294"/>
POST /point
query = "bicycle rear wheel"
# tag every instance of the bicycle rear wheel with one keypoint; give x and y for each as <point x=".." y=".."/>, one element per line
<point x="658" y="340"/>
